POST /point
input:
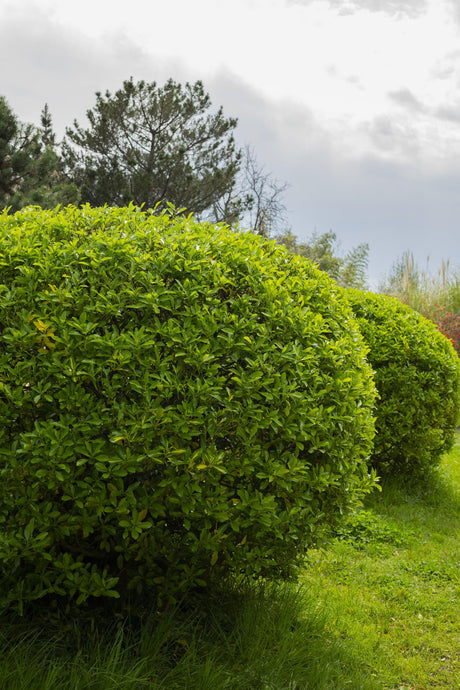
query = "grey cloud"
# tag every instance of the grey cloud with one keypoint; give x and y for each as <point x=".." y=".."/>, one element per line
<point x="396" y="8"/>
<point x="393" y="207"/>
<point x="449" y="112"/>
<point x="393" y="203"/>
<point x="260" y="120"/>
<point x="405" y="98"/>
<point x="455" y="10"/>
<point x="41" y="61"/>
<point x="447" y="65"/>
<point x="392" y="135"/>
<point x="335" y="72"/>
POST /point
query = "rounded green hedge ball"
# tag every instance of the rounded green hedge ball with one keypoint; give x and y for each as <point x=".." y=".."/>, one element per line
<point x="179" y="402"/>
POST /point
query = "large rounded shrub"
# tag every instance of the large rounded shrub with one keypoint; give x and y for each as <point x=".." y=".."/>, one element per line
<point x="178" y="402"/>
<point x="417" y="376"/>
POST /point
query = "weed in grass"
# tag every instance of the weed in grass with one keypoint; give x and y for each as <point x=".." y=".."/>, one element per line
<point x="367" y="530"/>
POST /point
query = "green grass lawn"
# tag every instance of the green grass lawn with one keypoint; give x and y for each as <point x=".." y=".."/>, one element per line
<point x="378" y="609"/>
<point x="391" y="582"/>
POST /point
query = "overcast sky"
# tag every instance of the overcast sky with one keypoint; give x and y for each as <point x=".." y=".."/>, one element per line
<point x="354" y="103"/>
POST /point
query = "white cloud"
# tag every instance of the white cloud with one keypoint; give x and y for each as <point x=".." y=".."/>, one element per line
<point x="394" y="8"/>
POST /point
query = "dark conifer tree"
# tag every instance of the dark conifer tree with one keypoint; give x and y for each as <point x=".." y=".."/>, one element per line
<point x="154" y="145"/>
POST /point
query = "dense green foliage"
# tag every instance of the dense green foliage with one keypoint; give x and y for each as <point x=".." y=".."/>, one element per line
<point x="178" y="401"/>
<point x="417" y="375"/>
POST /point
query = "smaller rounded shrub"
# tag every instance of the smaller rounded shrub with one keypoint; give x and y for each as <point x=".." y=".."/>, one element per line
<point x="180" y="402"/>
<point x="417" y="376"/>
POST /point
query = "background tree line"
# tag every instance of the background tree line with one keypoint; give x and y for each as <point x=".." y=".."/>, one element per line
<point x="154" y="146"/>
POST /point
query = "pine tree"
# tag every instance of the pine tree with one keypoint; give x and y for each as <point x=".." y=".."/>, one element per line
<point x="48" y="136"/>
<point x="31" y="171"/>
<point x="154" y="145"/>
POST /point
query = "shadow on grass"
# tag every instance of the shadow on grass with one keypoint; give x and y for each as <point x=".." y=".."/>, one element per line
<point x="270" y="637"/>
<point x="429" y="504"/>
<point x="431" y="499"/>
